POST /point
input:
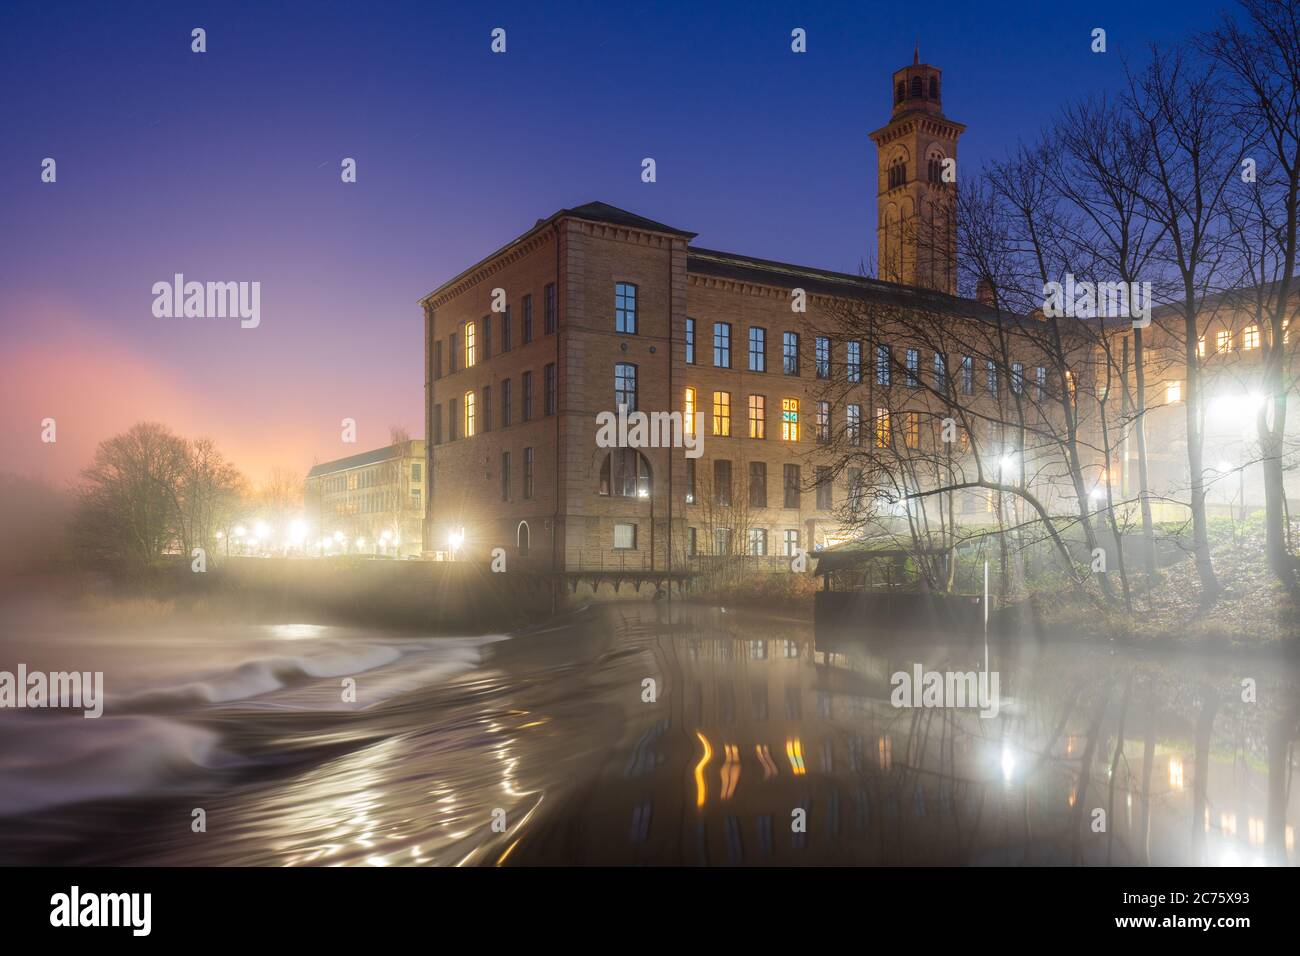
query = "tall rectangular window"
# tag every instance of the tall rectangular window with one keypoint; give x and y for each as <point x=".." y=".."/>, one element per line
<point x="824" y="502"/>
<point x="548" y="314"/>
<point x="505" y="403"/>
<point x="791" y="539"/>
<point x="853" y="361"/>
<point x="991" y="376"/>
<point x="625" y="308"/>
<point x="757" y="416"/>
<point x="506" y="343"/>
<point x="757" y="484"/>
<point x="625" y="386"/>
<point x="853" y="424"/>
<point x="940" y="371"/>
<point x="791" y="484"/>
<point x="690" y="481"/>
<point x="550" y="389"/>
<point x="1040" y="380"/>
<point x="855" y="488"/>
<point x="690" y="341"/>
<point x="469" y="413"/>
<point x="884" y="431"/>
<point x="453" y="351"/>
<point x="912" y="430"/>
<point x="789" y="419"/>
<point x="721" y="482"/>
<point x="505" y="476"/>
<point x="1017" y="377"/>
<point x="757" y="349"/>
<point x="528" y="473"/>
<point x="437" y="360"/>
<point x="722" y="413"/>
<point x="453" y="418"/>
<point x="722" y="345"/>
<point x="822" y="356"/>
<point x="758" y="541"/>
<point x="485" y="325"/>
<point x="882" y="365"/>
<point x="912" y="363"/>
<point x="790" y="353"/>
<point x="967" y="375"/>
<point x="823" y="422"/>
<point x="526" y="324"/>
<point x="437" y="424"/>
<point x="526" y="400"/>
<point x="487" y="408"/>
<point x="690" y="411"/>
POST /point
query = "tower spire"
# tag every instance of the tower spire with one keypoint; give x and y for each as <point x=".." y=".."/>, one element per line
<point x="916" y="54"/>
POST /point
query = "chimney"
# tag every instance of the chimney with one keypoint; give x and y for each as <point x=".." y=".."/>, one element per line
<point x="984" y="293"/>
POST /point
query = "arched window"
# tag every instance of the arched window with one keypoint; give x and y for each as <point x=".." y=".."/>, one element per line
<point x="900" y="92"/>
<point x="469" y="414"/>
<point x="897" y="173"/>
<point x="625" y="473"/>
<point x="918" y="91"/>
<point x="523" y="537"/>
<point x="934" y="87"/>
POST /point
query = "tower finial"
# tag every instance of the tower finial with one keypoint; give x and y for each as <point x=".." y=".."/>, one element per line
<point x="916" y="54"/>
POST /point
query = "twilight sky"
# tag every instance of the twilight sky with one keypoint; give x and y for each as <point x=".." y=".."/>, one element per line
<point x="225" y="166"/>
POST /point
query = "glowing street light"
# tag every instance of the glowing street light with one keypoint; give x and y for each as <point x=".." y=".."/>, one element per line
<point x="297" y="532"/>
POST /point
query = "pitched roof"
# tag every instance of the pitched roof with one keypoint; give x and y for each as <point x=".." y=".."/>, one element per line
<point x="604" y="212"/>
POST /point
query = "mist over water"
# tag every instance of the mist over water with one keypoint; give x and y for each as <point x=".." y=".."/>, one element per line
<point x="754" y="718"/>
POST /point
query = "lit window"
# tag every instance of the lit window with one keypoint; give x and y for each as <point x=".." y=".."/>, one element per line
<point x="688" y="411"/>
<point x="471" y="338"/>
<point x="469" y="414"/>
<point x="625" y="473"/>
<point x="625" y="537"/>
<point x="1250" y="337"/>
<point x="789" y="419"/>
<point x="1223" y="341"/>
<point x="912" y="430"/>
<point x="757" y="416"/>
<point x="722" y="413"/>
<point x="1200" y="347"/>
<point x="882" y="428"/>
<point x="1173" y="392"/>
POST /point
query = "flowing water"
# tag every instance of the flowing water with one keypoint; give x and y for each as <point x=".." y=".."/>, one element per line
<point x="634" y="734"/>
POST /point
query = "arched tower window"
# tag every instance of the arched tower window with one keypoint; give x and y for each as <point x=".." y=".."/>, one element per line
<point x="918" y="91"/>
<point x="900" y="92"/>
<point x="897" y="173"/>
<point x="625" y="473"/>
<point x="523" y="537"/>
<point x="934" y="87"/>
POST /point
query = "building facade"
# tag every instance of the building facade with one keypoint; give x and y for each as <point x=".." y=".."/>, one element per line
<point x="372" y="502"/>
<point x="781" y="369"/>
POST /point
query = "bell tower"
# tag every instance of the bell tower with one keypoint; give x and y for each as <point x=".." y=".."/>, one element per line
<point x="916" y="168"/>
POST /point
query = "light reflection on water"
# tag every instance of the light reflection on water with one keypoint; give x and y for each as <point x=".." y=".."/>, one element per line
<point x="757" y="726"/>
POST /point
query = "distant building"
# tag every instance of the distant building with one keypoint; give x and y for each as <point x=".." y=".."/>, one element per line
<point x="375" y="498"/>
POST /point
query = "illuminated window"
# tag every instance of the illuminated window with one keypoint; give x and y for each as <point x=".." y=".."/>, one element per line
<point x="471" y="339"/>
<point x="883" y="435"/>
<point x="722" y="413"/>
<point x="1200" y="347"/>
<point x="912" y="430"/>
<point x="1250" y="337"/>
<point x="1223" y="341"/>
<point x="688" y="410"/>
<point x="757" y="416"/>
<point x="625" y="473"/>
<point x="469" y="414"/>
<point x="1286" y="331"/>
<point x="789" y="419"/>
<point x="1173" y="392"/>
